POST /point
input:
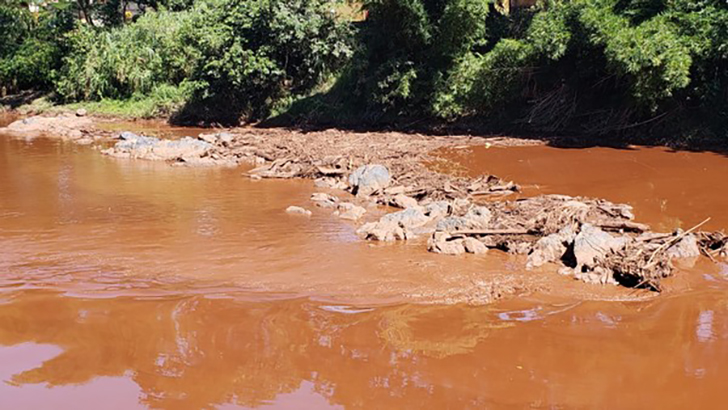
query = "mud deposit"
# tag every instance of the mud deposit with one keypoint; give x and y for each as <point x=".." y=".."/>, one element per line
<point x="135" y="284"/>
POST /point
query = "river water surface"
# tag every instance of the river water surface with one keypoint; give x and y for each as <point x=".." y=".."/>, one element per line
<point x="130" y="284"/>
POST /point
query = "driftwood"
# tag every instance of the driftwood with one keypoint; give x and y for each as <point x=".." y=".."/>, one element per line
<point x="486" y="232"/>
<point x="665" y="246"/>
<point x="623" y="226"/>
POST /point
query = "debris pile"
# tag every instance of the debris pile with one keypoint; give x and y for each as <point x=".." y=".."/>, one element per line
<point x="186" y="150"/>
<point x="594" y="240"/>
<point x="387" y="167"/>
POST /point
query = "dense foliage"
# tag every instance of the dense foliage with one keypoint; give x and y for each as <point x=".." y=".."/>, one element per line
<point x="587" y="66"/>
<point x="231" y="58"/>
<point x="257" y="55"/>
<point x="31" y="44"/>
<point x="581" y="66"/>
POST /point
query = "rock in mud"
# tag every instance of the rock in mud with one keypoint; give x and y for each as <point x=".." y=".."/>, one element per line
<point x="687" y="247"/>
<point x="324" y="200"/>
<point x="474" y="246"/>
<point x="369" y="178"/>
<point x="550" y="248"/>
<point x="566" y="271"/>
<point x="438" y="209"/>
<point x="283" y="168"/>
<point x="187" y="149"/>
<point x="402" y="201"/>
<point x="515" y="247"/>
<point x="384" y="231"/>
<point x="593" y="243"/>
<point x="460" y="206"/>
<point x="347" y="210"/>
<point x="479" y="216"/>
<point x="84" y="141"/>
<point x="64" y="127"/>
<point x="441" y="242"/>
<point x="408" y="218"/>
<point x="453" y="224"/>
<point x="81" y="112"/>
<point x="598" y="276"/>
<point x="297" y="210"/>
<point x="330" y="183"/>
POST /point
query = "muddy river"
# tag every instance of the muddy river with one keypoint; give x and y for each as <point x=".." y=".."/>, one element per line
<point x="129" y="284"/>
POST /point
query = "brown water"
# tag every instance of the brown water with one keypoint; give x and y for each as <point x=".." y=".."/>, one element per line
<point x="137" y="285"/>
<point x="669" y="189"/>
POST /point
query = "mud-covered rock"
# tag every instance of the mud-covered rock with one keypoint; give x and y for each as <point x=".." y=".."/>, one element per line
<point x="186" y="149"/>
<point x="438" y="209"/>
<point x="687" y="247"/>
<point x="84" y="141"/>
<point x="384" y="231"/>
<point x="330" y="183"/>
<point x="453" y="223"/>
<point x="566" y="271"/>
<point x="347" y="210"/>
<point x="474" y="246"/>
<point x="479" y="216"/>
<point x="297" y="210"/>
<point x="63" y="127"/>
<point x="550" y="248"/>
<point x="402" y="201"/>
<point x="592" y="243"/>
<point x="408" y="218"/>
<point x="369" y="178"/>
<point x="460" y="206"/>
<point x="599" y="275"/>
<point x="222" y="138"/>
<point x="324" y="200"/>
<point x="441" y="242"/>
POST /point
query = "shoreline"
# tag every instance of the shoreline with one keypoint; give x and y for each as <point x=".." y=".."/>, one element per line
<point x="434" y="128"/>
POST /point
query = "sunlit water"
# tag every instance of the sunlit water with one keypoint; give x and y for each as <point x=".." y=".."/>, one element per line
<point x="129" y="284"/>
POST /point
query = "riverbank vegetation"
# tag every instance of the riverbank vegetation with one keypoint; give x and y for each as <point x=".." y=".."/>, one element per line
<point x="597" y="68"/>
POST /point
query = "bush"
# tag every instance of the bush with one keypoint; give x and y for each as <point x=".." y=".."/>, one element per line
<point x="259" y="54"/>
<point x="408" y="45"/>
<point x="130" y="60"/>
<point x="241" y="58"/>
<point x="592" y="66"/>
<point x="31" y="46"/>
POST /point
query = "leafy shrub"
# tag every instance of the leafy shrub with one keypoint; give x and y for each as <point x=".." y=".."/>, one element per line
<point x="133" y="59"/>
<point x="611" y="64"/>
<point x="408" y="45"/>
<point x="258" y="54"/>
<point x="31" y="46"/>
<point x="247" y="56"/>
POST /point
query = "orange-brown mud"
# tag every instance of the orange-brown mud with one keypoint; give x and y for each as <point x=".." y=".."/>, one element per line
<point x="132" y="284"/>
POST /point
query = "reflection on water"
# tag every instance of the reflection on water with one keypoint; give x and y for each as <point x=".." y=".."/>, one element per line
<point x="138" y="285"/>
<point x="191" y="352"/>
